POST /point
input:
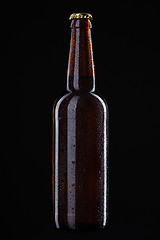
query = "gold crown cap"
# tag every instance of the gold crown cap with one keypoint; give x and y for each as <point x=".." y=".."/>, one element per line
<point x="81" y="15"/>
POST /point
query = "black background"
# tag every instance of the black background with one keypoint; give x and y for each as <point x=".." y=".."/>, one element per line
<point x="35" y="41"/>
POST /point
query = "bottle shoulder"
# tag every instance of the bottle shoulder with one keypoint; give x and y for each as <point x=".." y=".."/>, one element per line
<point x="83" y="99"/>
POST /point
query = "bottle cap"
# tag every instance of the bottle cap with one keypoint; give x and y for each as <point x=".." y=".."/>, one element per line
<point x="81" y="15"/>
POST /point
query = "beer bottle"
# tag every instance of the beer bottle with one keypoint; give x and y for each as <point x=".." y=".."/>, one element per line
<point x="80" y="139"/>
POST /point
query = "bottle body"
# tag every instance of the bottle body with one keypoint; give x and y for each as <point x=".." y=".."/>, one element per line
<point x="80" y="161"/>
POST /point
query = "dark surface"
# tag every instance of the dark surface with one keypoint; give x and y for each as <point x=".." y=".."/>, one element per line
<point x="34" y="56"/>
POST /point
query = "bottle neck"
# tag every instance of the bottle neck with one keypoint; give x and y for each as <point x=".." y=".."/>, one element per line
<point x="81" y="76"/>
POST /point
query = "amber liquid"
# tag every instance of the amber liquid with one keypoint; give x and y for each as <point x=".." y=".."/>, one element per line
<point x="80" y="146"/>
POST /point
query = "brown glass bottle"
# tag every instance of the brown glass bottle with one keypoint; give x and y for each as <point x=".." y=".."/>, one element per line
<point x="80" y="140"/>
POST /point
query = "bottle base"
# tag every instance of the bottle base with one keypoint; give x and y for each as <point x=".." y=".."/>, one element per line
<point x="80" y="227"/>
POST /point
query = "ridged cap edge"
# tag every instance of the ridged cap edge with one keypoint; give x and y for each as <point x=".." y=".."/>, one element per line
<point x="80" y="15"/>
